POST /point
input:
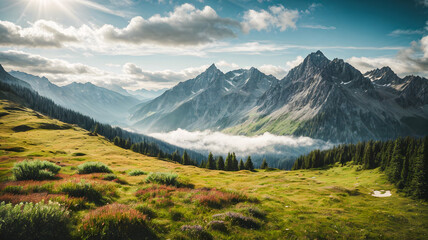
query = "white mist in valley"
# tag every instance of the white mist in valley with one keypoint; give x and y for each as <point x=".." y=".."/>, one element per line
<point x="279" y="147"/>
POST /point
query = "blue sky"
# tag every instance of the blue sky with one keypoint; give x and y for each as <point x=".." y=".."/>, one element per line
<point x="155" y="44"/>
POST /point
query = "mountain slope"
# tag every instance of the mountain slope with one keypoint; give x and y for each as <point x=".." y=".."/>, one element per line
<point x="331" y="100"/>
<point x="102" y="104"/>
<point x="31" y="99"/>
<point x="311" y="204"/>
<point x="212" y="100"/>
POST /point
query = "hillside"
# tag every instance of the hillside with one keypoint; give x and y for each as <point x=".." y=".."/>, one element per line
<point x="329" y="204"/>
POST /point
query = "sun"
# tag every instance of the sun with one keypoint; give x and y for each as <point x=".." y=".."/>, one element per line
<point x="48" y="8"/>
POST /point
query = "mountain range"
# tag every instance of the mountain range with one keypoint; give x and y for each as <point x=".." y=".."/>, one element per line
<point x="100" y="103"/>
<point x="320" y="98"/>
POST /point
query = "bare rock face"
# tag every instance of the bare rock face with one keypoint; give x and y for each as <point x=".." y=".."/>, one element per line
<point x="383" y="76"/>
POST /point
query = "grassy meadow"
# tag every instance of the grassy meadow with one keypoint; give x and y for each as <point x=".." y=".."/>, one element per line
<point x="266" y="204"/>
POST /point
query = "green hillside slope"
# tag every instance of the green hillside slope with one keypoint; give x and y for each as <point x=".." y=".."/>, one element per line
<point x="266" y="204"/>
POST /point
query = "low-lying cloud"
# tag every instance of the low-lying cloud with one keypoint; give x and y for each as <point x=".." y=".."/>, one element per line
<point x="220" y="143"/>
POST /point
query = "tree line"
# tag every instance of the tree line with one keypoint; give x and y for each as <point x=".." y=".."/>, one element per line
<point x="404" y="161"/>
<point x="46" y="106"/>
<point x="230" y="164"/>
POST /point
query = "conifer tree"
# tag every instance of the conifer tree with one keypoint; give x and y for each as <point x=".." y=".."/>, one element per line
<point x="228" y="165"/>
<point x="220" y="163"/>
<point x="185" y="159"/>
<point x="235" y="162"/>
<point x="249" y="164"/>
<point x="264" y="164"/>
<point x="210" y="162"/>
<point x="241" y="165"/>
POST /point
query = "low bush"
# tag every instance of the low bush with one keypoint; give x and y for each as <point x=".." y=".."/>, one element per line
<point x="115" y="221"/>
<point x="217" y="226"/>
<point x="78" y="154"/>
<point x="217" y="199"/>
<point x="146" y="210"/>
<point x="256" y="212"/>
<point x="136" y="172"/>
<point x="196" y="232"/>
<point x="34" y="221"/>
<point x="242" y="221"/>
<point x="47" y="187"/>
<point x="109" y="177"/>
<point x="35" y="170"/>
<point x="93" y="167"/>
<point x="176" y="215"/>
<point x="82" y="189"/>
<point x="13" y="189"/>
<point x="163" y="178"/>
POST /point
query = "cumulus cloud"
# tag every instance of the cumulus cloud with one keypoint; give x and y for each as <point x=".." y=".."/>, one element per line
<point x="40" y="34"/>
<point x="38" y="64"/>
<point x="186" y="25"/>
<point x="412" y="60"/>
<point x="138" y="73"/>
<point x="276" y="71"/>
<point x="276" y="16"/>
<point x="295" y="62"/>
<point x="220" y="143"/>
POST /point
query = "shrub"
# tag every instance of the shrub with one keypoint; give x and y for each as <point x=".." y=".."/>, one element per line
<point x="47" y="187"/>
<point x="146" y="210"/>
<point x="109" y="177"/>
<point x="176" y="215"/>
<point x="115" y="221"/>
<point x="34" y="221"/>
<point x="14" y="189"/>
<point x="136" y="172"/>
<point x="242" y="221"/>
<point x="196" y="232"/>
<point x="217" y="199"/>
<point x="81" y="189"/>
<point x="163" y="178"/>
<point x="93" y="167"/>
<point x="217" y="226"/>
<point x="35" y="170"/>
<point x="256" y="212"/>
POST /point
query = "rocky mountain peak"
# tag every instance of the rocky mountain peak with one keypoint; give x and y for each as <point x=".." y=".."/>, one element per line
<point x="383" y="76"/>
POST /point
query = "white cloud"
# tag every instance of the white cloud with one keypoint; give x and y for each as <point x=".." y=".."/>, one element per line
<point x="135" y="72"/>
<point x="295" y="62"/>
<point x="220" y="143"/>
<point x="276" y="71"/>
<point x="38" y="64"/>
<point x="186" y="25"/>
<point x="277" y="16"/>
<point x="319" y="27"/>
<point x="398" y="32"/>
<point x="412" y="60"/>
<point x="40" y="34"/>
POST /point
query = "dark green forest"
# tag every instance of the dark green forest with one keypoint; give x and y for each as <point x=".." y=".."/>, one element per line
<point x="403" y="160"/>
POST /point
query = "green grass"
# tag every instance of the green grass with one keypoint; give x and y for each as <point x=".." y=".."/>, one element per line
<point x="305" y="204"/>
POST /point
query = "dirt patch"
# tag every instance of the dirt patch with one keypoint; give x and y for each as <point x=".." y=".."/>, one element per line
<point x="51" y="126"/>
<point x="22" y="128"/>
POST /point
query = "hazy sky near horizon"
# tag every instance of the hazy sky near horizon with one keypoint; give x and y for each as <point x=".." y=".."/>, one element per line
<point x="155" y="44"/>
